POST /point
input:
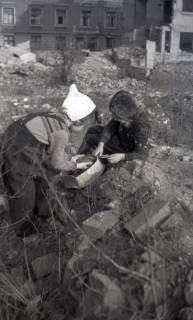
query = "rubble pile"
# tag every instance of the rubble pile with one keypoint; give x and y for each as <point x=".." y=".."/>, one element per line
<point x="126" y="250"/>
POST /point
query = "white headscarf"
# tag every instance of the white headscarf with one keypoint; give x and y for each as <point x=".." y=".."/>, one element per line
<point x="77" y="105"/>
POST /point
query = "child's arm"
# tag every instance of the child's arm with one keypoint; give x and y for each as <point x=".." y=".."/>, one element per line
<point x="108" y="131"/>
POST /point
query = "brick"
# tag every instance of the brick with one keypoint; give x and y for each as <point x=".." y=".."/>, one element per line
<point x="154" y="212"/>
<point x="96" y="226"/>
<point x="42" y="266"/>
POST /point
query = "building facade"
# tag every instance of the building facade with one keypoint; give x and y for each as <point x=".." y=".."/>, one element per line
<point x="174" y="40"/>
<point x="54" y="24"/>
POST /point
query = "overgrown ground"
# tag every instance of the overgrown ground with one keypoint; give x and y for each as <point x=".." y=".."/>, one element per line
<point x="112" y="273"/>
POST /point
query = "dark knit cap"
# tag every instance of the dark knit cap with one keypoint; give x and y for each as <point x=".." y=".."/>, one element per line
<point x="123" y="105"/>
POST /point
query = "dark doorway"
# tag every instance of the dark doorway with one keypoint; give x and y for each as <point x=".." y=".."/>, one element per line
<point x="168" y="10"/>
<point x="109" y="43"/>
<point x="92" y="44"/>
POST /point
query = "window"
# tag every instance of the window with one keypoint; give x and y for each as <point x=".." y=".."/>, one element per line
<point x="35" y="16"/>
<point x="8" y="16"/>
<point x="9" y="39"/>
<point x="167" y="11"/>
<point x="188" y="5"/>
<point x="60" y="43"/>
<point x="61" y="17"/>
<point x="111" y="19"/>
<point x="36" y="42"/>
<point x="186" y="42"/>
<point x="85" y="18"/>
<point x="167" y="41"/>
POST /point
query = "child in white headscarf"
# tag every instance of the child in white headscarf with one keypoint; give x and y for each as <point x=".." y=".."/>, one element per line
<point x="34" y="151"/>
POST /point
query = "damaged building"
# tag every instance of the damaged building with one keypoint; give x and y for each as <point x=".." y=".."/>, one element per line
<point x="173" y="41"/>
<point x="53" y="24"/>
<point x="91" y="24"/>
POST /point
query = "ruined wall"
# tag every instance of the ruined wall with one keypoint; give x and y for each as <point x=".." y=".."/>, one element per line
<point x="128" y="15"/>
<point x="182" y="22"/>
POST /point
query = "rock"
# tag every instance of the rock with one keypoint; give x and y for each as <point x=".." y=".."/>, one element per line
<point x="186" y="314"/>
<point x="16" y="51"/>
<point x="44" y="265"/>
<point x="101" y="222"/>
<point x="28" y="57"/>
<point x="153" y="174"/>
<point x="82" y="263"/>
<point x="150" y="256"/>
<point x="3" y="204"/>
<point x="152" y="214"/>
<point x="188" y="289"/>
<point x="105" y="297"/>
<point x="24" y="45"/>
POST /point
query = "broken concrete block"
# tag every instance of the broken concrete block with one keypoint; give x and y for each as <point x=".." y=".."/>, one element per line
<point x="16" y="51"/>
<point x="152" y="214"/>
<point x="44" y="265"/>
<point x="113" y="297"/>
<point x="28" y="57"/>
<point x="96" y="226"/>
<point x="24" y="45"/>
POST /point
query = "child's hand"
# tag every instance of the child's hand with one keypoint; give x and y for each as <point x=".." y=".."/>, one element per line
<point x="99" y="150"/>
<point x="116" y="157"/>
<point x="84" y="165"/>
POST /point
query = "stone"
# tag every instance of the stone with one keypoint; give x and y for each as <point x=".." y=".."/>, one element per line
<point x="188" y="294"/>
<point x="96" y="226"/>
<point x="188" y="289"/>
<point x="113" y="297"/>
<point x="3" y="203"/>
<point x="24" y="45"/>
<point x="43" y="266"/>
<point x="151" y="256"/>
<point x="151" y="215"/>
<point x="16" y="51"/>
<point x="28" y="57"/>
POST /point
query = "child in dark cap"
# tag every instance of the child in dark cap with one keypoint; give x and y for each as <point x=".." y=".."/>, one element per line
<point x="124" y="137"/>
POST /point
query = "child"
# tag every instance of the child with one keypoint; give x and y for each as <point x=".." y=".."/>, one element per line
<point x="124" y="137"/>
<point x="35" y="150"/>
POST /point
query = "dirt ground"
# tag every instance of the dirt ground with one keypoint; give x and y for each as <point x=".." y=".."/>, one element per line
<point x="62" y="294"/>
